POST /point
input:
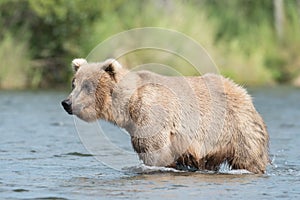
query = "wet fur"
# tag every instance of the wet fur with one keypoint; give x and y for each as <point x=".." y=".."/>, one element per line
<point x="194" y="122"/>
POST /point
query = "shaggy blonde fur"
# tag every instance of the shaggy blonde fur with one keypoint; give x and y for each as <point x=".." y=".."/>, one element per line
<point x="180" y="122"/>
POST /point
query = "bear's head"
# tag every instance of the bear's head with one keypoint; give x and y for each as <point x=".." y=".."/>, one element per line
<point x="92" y="88"/>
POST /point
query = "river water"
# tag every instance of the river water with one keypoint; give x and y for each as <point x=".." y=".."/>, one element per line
<point x="44" y="154"/>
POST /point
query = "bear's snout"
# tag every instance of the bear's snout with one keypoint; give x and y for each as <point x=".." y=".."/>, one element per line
<point x="67" y="104"/>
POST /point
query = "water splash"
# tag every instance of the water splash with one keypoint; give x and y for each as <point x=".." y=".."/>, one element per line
<point x="225" y="168"/>
<point x="145" y="169"/>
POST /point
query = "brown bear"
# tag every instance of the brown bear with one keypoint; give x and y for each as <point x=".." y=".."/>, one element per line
<point x="193" y="123"/>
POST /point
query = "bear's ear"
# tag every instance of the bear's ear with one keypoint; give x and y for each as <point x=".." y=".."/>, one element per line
<point x="77" y="62"/>
<point x="111" y="66"/>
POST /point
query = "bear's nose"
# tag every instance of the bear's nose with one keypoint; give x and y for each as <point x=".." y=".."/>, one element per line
<point x="67" y="104"/>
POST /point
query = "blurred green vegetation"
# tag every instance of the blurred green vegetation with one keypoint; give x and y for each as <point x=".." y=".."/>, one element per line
<point x="39" y="38"/>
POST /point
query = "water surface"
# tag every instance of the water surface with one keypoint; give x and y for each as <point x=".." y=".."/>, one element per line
<point x="42" y="156"/>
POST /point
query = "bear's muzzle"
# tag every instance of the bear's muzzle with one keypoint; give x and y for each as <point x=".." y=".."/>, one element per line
<point x="67" y="104"/>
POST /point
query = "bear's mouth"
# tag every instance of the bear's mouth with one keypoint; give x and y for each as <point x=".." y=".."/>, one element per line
<point x="69" y="111"/>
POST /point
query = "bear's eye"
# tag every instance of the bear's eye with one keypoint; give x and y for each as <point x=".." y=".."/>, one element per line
<point x="87" y="86"/>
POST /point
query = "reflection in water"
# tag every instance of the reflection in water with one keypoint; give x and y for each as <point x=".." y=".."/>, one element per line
<point x="41" y="156"/>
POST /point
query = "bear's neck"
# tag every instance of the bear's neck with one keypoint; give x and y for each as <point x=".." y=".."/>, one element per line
<point x="121" y="97"/>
